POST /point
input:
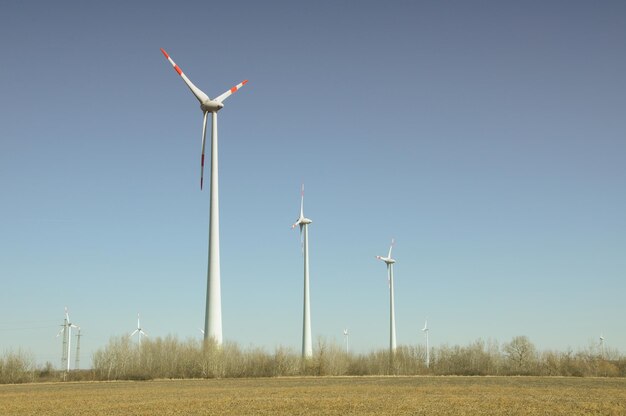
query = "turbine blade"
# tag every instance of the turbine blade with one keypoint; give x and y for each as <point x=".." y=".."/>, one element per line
<point x="302" y="202"/>
<point x="143" y="333"/>
<point x="390" y="247"/>
<point x="302" y="238"/>
<point x="201" y="96"/>
<point x="206" y="113"/>
<point x="60" y="331"/>
<point x="134" y="332"/>
<point x="228" y="93"/>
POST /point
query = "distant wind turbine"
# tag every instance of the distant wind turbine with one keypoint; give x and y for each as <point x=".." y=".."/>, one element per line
<point x="392" y="315"/>
<point x="425" y="329"/>
<point x="138" y="331"/>
<point x="66" y="330"/>
<point x="303" y="222"/>
<point x="602" y="346"/>
<point x="213" y="314"/>
<point x="345" y="334"/>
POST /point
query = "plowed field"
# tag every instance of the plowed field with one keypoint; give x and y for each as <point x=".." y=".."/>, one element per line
<point x="322" y="396"/>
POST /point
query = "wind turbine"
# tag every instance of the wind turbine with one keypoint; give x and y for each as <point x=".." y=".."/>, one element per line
<point x="67" y="338"/>
<point x="392" y="315"/>
<point x="345" y="334"/>
<point x="425" y="329"/>
<point x="602" y="346"/>
<point x="139" y="331"/>
<point x="303" y="222"/>
<point x="213" y="314"/>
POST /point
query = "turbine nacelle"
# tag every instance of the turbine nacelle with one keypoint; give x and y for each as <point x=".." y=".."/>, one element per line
<point x="301" y="221"/>
<point x="211" y="106"/>
<point x="304" y="221"/>
<point x="387" y="260"/>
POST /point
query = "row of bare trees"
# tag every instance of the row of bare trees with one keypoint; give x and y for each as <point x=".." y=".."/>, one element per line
<point x="170" y="358"/>
<point x="121" y="359"/>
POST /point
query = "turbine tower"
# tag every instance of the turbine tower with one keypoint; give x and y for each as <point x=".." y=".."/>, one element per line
<point x="392" y="314"/>
<point x="303" y="222"/>
<point x="67" y="339"/>
<point x="213" y="315"/>
<point x="139" y="331"/>
<point x="425" y="329"/>
<point x="345" y="334"/>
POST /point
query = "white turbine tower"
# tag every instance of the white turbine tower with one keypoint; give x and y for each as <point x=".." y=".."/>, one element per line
<point x="303" y="222"/>
<point x="138" y="331"/>
<point x="392" y="314"/>
<point x="67" y="338"/>
<point x="345" y="334"/>
<point x="213" y="315"/>
<point x="425" y="329"/>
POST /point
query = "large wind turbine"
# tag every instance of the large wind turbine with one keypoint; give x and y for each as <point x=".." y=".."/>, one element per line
<point x="66" y="330"/>
<point x="425" y="329"/>
<point x="213" y="315"/>
<point x="392" y="314"/>
<point x="303" y="222"/>
<point x="139" y="331"/>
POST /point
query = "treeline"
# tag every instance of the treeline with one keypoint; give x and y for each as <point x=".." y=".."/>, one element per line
<point x="17" y="367"/>
<point x="122" y="359"/>
<point x="170" y="358"/>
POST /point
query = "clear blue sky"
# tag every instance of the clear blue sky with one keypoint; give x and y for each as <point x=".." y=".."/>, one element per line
<point x="488" y="138"/>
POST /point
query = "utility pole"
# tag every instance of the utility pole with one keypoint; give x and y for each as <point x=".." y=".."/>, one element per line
<point x="78" y="335"/>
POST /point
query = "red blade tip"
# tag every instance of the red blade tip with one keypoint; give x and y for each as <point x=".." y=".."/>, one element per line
<point x="165" y="53"/>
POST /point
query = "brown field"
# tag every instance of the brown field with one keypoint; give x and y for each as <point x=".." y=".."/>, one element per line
<point x="322" y="396"/>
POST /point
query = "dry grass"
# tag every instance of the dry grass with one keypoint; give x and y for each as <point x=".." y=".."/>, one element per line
<point x="323" y="396"/>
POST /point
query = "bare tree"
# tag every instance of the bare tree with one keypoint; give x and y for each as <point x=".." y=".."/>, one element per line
<point x="521" y="354"/>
